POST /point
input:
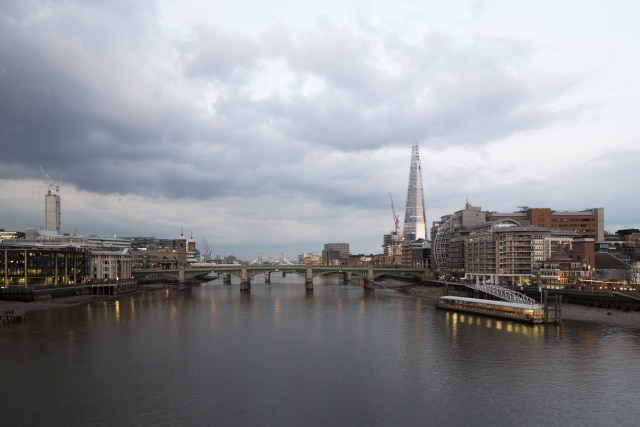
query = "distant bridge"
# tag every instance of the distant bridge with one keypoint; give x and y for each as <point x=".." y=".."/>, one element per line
<point x="247" y="272"/>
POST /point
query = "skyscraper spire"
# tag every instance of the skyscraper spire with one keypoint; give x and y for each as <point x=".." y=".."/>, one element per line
<point x="414" y="217"/>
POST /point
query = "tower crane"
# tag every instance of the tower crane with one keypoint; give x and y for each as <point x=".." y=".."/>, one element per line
<point x="207" y="251"/>
<point x="53" y="188"/>
<point x="396" y="218"/>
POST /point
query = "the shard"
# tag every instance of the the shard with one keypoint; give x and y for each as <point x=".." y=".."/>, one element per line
<point x="414" y="217"/>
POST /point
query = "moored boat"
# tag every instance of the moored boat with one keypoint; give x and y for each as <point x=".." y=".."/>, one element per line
<point x="530" y="313"/>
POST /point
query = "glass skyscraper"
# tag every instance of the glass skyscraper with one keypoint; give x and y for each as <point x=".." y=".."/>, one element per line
<point x="414" y="217"/>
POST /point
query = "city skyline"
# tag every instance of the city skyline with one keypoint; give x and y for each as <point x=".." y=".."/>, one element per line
<point x="290" y="126"/>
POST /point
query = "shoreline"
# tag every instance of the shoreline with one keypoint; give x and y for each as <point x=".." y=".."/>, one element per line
<point x="17" y="310"/>
<point x="20" y="308"/>
<point x="570" y="312"/>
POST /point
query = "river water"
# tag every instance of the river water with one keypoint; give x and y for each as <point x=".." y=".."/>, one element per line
<point x="280" y="356"/>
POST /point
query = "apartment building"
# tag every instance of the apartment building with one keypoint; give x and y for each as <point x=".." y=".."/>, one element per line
<point x="504" y="252"/>
<point x="586" y="223"/>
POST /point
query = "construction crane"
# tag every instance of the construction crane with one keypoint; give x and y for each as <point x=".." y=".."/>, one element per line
<point x="53" y="188"/>
<point x="207" y="251"/>
<point x="396" y="218"/>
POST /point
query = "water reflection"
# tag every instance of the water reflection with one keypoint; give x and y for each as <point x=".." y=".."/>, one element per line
<point x="455" y="319"/>
<point x="279" y="355"/>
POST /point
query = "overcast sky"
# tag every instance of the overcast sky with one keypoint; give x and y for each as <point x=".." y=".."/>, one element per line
<point x="280" y="125"/>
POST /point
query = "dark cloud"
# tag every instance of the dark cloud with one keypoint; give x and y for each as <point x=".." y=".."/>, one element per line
<point x="125" y="105"/>
<point x="83" y="93"/>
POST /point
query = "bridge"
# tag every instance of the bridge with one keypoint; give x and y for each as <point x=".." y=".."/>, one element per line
<point x="246" y="272"/>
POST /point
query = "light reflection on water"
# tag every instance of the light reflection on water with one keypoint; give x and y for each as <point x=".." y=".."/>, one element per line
<point x="282" y="356"/>
<point x="453" y="318"/>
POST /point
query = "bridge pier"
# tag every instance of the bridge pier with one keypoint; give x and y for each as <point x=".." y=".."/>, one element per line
<point x="245" y="281"/>
<point x="226" y="278"/>
<point x="347" y="276"/>
<point x="308" y="280"/>
<point x="267" y="277"/>
<point x="181" y="280"/>
<point x="369" y="280"/>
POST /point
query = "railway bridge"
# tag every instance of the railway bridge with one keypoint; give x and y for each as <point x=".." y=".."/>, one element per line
<point x="246" y="272"/>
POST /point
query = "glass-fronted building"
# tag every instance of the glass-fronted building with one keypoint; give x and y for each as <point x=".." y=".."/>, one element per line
<point x="28" y="266"/>
<point x="415" y="227"/>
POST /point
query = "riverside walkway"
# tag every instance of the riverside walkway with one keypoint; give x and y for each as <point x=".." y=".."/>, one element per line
<point x="246" y="272"/>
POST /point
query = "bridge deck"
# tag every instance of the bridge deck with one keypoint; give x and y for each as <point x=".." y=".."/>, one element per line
<point x="302" y="269"/>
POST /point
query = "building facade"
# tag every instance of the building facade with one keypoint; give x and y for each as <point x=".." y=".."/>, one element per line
<point x="587" y="223"/>
<point x="504" y="252"/>
<point x="449" y="239"/>
<point x="52" y="210"/>
<point x="59" y="260"/>
<point x="28" y="265"/>
<point x="110" y="265"/>
<point x="414" y="213"/>
<point x="335" y="253"/>
<point x="392" y="249"/>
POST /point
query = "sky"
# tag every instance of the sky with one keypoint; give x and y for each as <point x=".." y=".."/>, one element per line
<point x="278" y="126"/>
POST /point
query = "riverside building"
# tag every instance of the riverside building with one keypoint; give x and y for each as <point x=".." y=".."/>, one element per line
<point x="587" y="223"/>
<point x="470" y="244"/>
<point x="503" y="252"/>
<point x="58" y="260"/>
<point x="110" y="265"/>
<point x="27" y="265"/>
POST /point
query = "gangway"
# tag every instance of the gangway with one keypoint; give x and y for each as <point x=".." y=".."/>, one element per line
<point x="503" y="293"/>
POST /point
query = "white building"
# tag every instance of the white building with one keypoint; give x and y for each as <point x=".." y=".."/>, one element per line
<point x="110" y="264"/>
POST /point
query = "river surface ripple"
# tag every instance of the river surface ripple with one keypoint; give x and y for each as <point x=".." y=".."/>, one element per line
<point x="281" y="356"/>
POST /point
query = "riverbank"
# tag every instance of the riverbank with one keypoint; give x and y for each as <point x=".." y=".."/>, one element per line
<point x="581" y="313"/>
<point x="430" y="294"/>
<point x="19" y="309"/>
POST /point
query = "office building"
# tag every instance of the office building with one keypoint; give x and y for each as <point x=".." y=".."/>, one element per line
<point x="414" y="214"/>
<point x="335" y="253"/>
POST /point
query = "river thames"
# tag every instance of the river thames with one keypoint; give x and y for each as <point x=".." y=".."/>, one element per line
<point x="282" y="356"/>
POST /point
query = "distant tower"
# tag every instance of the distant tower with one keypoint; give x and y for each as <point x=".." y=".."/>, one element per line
<point x="51" y="205"/>
<point x="414" y="218"/>
<point x="180" y="249"/>
<point x="191" y="250"/>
